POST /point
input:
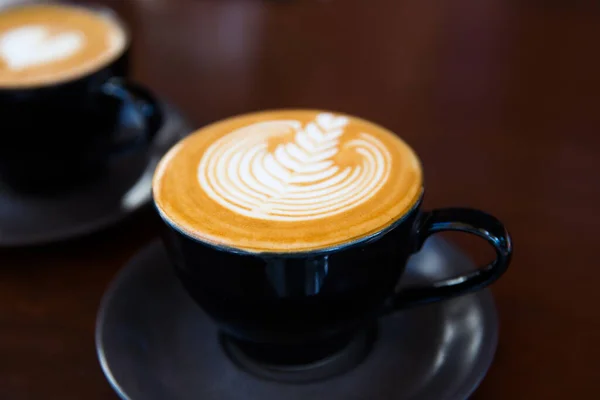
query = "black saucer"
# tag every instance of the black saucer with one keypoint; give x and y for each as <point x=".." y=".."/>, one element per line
<point x="154" y="342"/>
<point x="31" y="220"/>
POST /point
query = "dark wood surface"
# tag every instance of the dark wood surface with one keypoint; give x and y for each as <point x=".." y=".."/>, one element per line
<point x="500" y="98"/>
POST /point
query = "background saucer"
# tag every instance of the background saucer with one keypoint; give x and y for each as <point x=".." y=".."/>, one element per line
<point x="32" y="220"/>
<point x="154" y="342"/>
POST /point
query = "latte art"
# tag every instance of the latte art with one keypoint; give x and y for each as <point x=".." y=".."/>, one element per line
<point x="287" y="181"/>
<point x="43" y="44"/>
<point x="34" y="45"/>
<point x="299" y="179"/>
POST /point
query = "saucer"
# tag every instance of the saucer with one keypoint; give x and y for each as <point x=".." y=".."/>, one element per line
<point x="31" y="220"/>
<point x="154" y="342"/>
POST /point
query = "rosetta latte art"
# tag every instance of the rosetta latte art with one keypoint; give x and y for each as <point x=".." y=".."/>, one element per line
<point x="299" y="178"/>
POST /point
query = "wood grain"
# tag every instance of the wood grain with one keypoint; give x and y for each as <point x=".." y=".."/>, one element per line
<point x="499" y="98"/>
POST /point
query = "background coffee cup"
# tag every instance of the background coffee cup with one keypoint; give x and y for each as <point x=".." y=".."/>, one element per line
<point x="62" y="130"/>
<point x="321" y="298"/>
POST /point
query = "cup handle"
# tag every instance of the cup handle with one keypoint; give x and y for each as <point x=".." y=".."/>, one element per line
<point x="466" y="220"/>
<point x="146" y="108"/>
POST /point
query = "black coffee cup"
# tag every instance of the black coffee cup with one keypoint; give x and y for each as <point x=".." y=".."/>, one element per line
<point x="57" y="135"/>
<point x="307" y="304"/>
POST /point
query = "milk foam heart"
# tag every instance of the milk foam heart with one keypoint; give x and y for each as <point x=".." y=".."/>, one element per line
<point x="287" y="181"/>
<point x="34" y="45"/>
<point x="43" y="44"/>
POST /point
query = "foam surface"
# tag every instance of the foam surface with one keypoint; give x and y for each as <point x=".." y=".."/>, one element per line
<point x="299" y="179"/>
<point x="287" y="181"/>
<point x="32" y="45"/>
<point x="42" y="44"/>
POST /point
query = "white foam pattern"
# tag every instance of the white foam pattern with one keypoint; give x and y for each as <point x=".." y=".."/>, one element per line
<point x="299" y="179"/>
<point x="34" y="45"/>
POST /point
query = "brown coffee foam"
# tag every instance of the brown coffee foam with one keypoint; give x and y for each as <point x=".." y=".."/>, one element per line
<point x="183" y="203"/>
<point x="98" y="26"/>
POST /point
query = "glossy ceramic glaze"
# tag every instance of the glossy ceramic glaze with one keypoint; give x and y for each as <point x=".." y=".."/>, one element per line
<point x="318" y="299"/>
<point x="29" y="219"/>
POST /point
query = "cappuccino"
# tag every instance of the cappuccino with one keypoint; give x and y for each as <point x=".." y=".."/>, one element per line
<point x="287" y="181"/>
<point x="46" y="44"/>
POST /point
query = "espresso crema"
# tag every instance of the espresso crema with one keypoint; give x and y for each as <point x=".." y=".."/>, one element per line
<point x="47" y="44"/>
<point x="287" y="181"/>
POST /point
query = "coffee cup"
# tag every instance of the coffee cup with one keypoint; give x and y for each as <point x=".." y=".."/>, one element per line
<point x="292" y="228"/>
<point x="66" y="106"/>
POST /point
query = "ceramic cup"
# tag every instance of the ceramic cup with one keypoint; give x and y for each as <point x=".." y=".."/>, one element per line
<point x="65" y="96"/>
<point x="243" y="256"/>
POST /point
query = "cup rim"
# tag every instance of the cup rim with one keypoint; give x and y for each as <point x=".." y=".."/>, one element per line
<point x="301" y="253"/>
<point x="92" y="8"/>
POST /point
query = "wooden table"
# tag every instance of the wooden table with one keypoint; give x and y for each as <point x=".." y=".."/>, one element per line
<point x="500" y="98"/>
